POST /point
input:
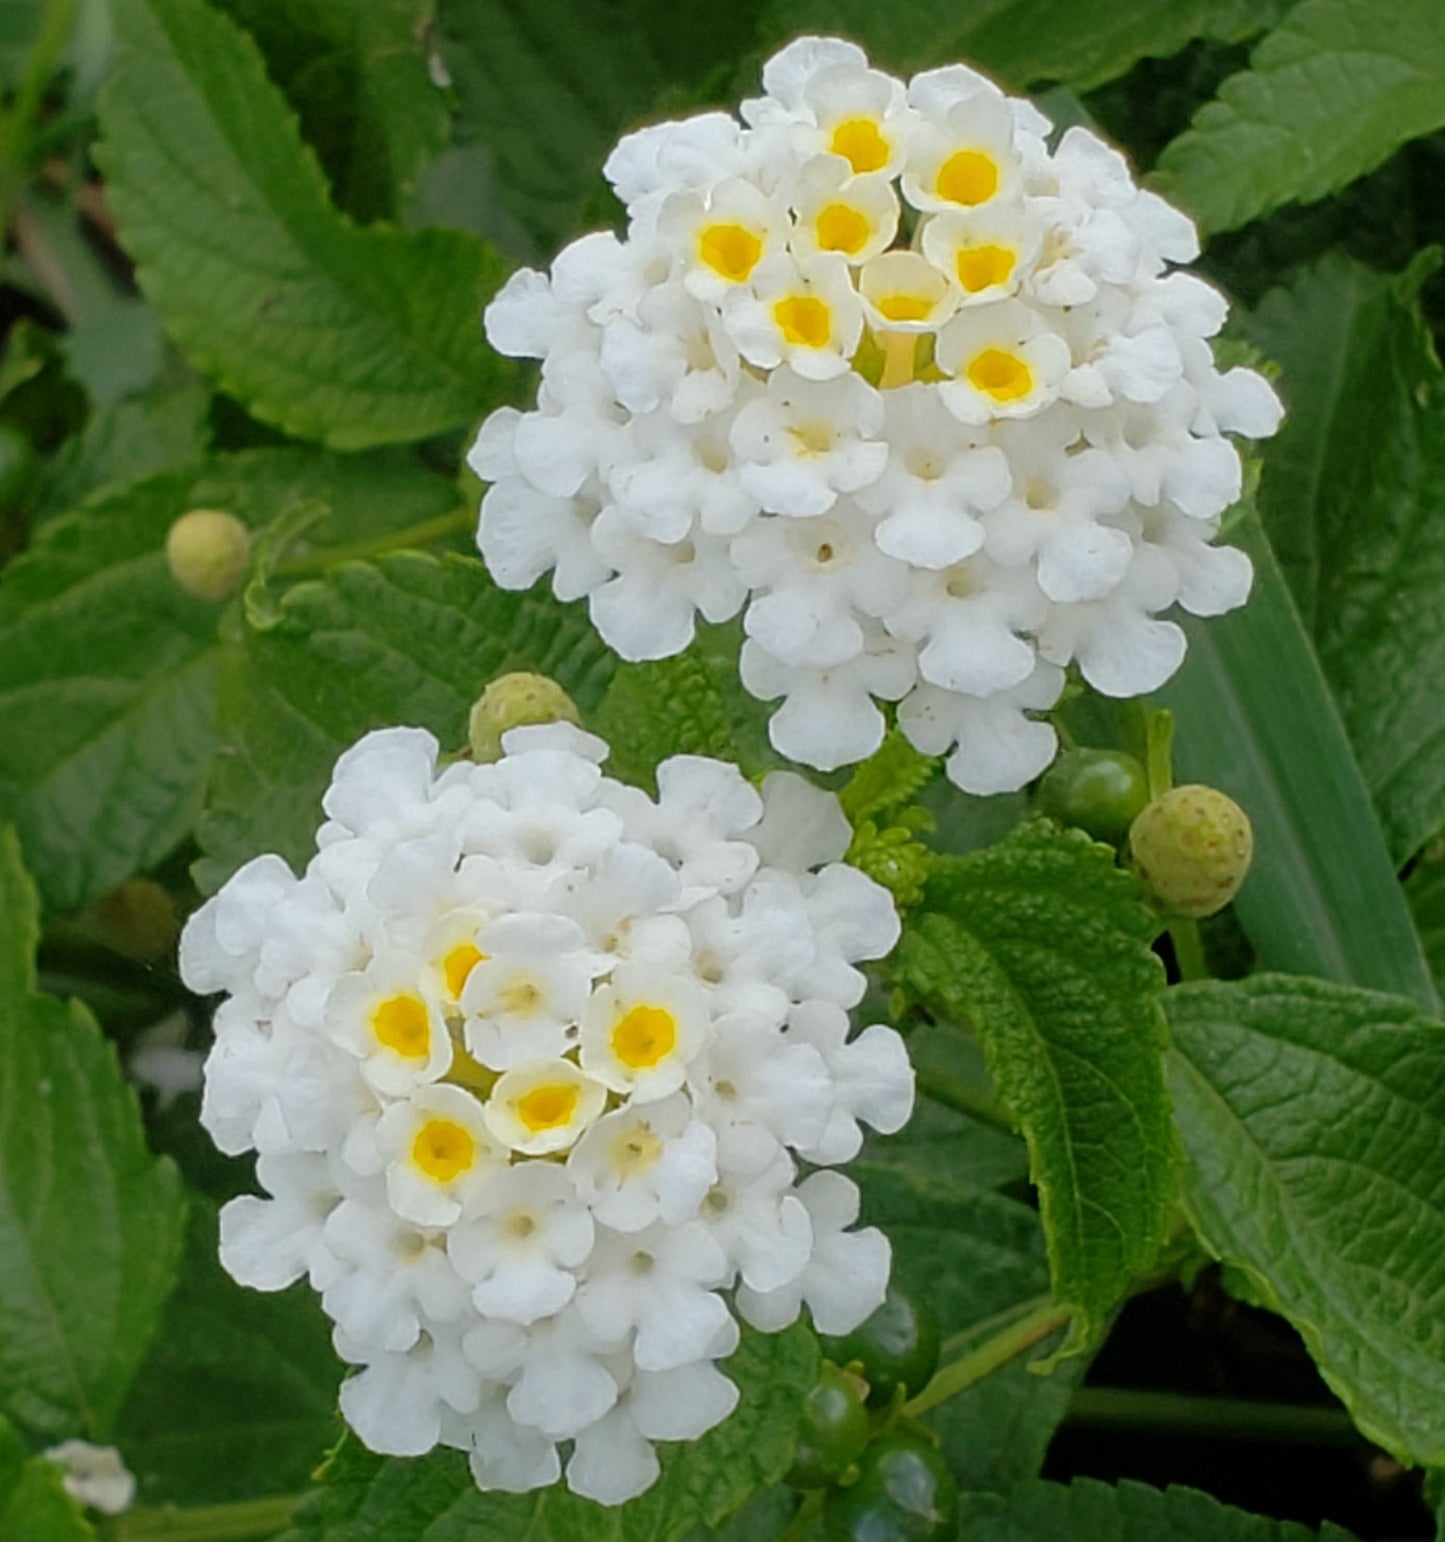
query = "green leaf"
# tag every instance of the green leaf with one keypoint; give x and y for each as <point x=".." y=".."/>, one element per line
<point x="33" y="1502"/>
<point x="891" y="776"/>
<point x="547" y="87"/>
<point x="1434" y="1496"/>
<point x="1328" y="95"/>
<point x="1425" y="892"/>
<point x="367" y="1499"/>
<point x="90" y="1222"/>
<point x="971" y="1256"/>
<point x="1322" y="897"/>
<point x="1023" y="42"/>
<point x="1351" y="496"/>
<point x="407" y="640"/>
<point x="129" y="441"/>
<point x="19" y="27"/>
<point x="351" y="336"/>
<point x="108" y="668"/>
<point x="1314" y="1119"/>
<point x="238" y="1397"/>
<point x="107" y="679"/>
<point x="356" y="71"/>
<point x="1041" y="946"/>
<point x="1088" y="1511"/>
<point x="949" y="1129"/>
<point x="691" y="704"/>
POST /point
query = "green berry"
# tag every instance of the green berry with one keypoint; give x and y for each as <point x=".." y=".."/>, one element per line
<point x="1192" y="849"/>
<point x="512" y="701"/>
<point x="1101" y="791"/>
<point x="896" y="1347"/>
<point x="207" y="551"/>
<point x="904" y="1493"/>
<point x="832" y="1432"/>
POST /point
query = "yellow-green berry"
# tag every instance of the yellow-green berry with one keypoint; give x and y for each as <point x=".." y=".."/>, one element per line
<point x="511" y="701"/>
<point x="207" y="551"/>
<point x="1192" y="849"/>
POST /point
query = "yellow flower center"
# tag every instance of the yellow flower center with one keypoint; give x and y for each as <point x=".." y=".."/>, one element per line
<point x="1001" y="375"/>
<point x="547" y="1107"/>
<point x="968" y="177"/>
<point x="841" y="228"/>
<point x="981" y="267"/>
<point x="858" y="141"/>
<point x="443" y="1149"/>
<point x="904" y="307"/>
<point x="458" y="964"/>
<point x="804" y="321"/>
<point x="643" y="1036"/>
<point x="401" y="1024"/>
<point x="731" y="250"/>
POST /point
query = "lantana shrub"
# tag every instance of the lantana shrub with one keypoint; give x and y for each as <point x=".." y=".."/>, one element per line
<point x="711" y="769"/>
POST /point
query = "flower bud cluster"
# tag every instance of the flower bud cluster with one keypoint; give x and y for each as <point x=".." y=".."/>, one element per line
<point x="909" y="382"/>
<point x="534" y="1064"/>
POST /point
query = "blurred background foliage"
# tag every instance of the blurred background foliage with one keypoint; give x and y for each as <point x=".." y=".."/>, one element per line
<point x="149" y="743"/>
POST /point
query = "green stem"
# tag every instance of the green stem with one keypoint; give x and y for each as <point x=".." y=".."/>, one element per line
<point x="1158" y="743"/>
<point x="1126" y="1408"/>
<point x="1188" y="950"/>
<point x="419" y="534"/>
<point x="964" y="1097"/>
<point x="241" y="1522"/>
<point x="1023" y="1333"/>
<point x="803" y="1518"/>
<point x="16" y="127"/>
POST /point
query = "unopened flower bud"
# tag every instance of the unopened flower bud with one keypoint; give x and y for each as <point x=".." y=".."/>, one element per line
<point x="893" y="858"/>
<point x="512" y="701"/>
<point x="1192" y="849"/>
<point x="207" y="551"/>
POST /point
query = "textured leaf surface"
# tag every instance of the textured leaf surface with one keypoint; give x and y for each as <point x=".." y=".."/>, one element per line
<point x="108" y="668"/>
<point x="1314" y="1119"/>
<point x="367" y="1499"/>
<point x="1336" y="87"/>
<point x="1023" y="42"/>
<point x="1352" y="496"/>
<point x="107" y="680"/>
<point x="1254" y="717"/>
<point x="408" y="640"/>
<point x="1089" y="1511"/>
<point x="352" y="336"/>
<point x="238" y="1396"/>
<point x="1041" y="946"/>
<point x="90" y="1222"/>
<point x="692" y="704"/>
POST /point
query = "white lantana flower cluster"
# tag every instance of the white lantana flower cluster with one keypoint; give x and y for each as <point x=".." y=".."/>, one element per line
<point x="917" y="389"/>
<point x="534" y="1064"/>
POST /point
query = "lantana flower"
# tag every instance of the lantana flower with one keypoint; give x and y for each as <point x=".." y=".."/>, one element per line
<point x="910" y="383"/>
<point x="545" y="1075"/>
